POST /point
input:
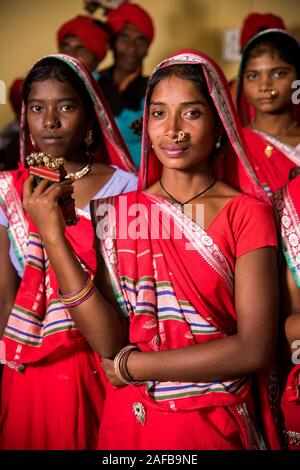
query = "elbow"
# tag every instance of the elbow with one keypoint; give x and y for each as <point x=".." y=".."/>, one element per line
<point x="6" y="304"/>
<point x="108" y="349"/>
<point x="109" y="352"/>
<point x="262" y="361"/>
<point x="257" y="355"/>
<point x="260" y="357"/>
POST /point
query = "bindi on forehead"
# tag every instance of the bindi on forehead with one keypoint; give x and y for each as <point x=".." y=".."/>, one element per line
<point x="52" y="90"/>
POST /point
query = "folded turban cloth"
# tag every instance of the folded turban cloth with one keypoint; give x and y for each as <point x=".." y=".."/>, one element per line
<point x="256" y="22"/>
<point x="134" y="14"/>
<point x="93" y="36"/>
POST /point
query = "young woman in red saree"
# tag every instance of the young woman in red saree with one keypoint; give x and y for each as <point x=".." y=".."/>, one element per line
<point x="287" y="203"/>
<point x="52" y="386"/>
<point x="269" y="67"/>
<point x="199" y="295"/>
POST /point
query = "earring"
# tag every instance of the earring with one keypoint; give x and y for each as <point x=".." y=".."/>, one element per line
<point x="218" y="144"/>
<point x="32" y="141"/>
<point x="89" y="137"/>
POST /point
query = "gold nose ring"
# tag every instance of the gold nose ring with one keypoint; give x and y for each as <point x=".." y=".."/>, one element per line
<point x="180" y="136"/>
<point x="273" y="92"/>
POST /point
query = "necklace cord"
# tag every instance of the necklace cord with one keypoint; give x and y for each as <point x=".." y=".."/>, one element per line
<point x="189" y="200"/>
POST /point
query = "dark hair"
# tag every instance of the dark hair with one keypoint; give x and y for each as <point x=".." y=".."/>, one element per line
<point x="282" y="44"/>
<point x="51" y="67"/>
<point x="186" y="72"/>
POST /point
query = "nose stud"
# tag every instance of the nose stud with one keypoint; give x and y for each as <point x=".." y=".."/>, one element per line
<point x="273" y="93"/>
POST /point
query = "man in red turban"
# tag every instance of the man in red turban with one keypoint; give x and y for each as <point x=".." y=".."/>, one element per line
<point x="84" y="38"/>
<point x="123" y="84"/>
<point x="134" y="14"/>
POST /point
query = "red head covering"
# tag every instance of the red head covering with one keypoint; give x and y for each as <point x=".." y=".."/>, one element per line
<point x="15" y="94"/>
<point x="256" y="22"/>
<point x="134" y="14"/>
<point x="94" y="38"/>
<point x="232" y="162"/>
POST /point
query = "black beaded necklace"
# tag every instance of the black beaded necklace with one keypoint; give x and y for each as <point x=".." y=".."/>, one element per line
<point x="192" y="198"/>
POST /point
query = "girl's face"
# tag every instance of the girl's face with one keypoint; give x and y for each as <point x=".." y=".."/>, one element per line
<point x="178" y="105"/>
<point x="264" y="73"/>
<point x="56" y="117"/>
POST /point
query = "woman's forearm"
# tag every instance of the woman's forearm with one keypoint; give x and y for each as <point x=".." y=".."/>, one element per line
<point x="96" y="318"/>
<point x="219" y="360"/>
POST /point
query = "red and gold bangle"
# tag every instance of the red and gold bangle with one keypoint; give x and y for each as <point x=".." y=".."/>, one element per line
<point x="76" y="298"/>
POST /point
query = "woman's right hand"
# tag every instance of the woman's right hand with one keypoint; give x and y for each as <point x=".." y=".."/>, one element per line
<point x="43" y="207"/>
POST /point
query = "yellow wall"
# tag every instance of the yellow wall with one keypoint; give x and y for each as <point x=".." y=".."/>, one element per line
<point x="28" y="28"/>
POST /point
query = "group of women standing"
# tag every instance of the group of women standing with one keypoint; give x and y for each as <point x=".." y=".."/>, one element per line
<point x="136" y="337"/>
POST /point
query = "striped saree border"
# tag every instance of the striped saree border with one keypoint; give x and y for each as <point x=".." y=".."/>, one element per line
<point x="12" y="207"/>
<point x="289" y="223"/>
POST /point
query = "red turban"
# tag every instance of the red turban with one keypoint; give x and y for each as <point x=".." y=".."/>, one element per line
<point x="256" y="22"/>
<point x="93" y="37"/>
<point x="134" y="14"/>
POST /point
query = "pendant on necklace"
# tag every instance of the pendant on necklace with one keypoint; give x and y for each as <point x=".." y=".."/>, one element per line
<point x="268" y="151"/>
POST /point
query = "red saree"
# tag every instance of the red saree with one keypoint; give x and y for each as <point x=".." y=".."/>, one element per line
<point x="175" y="281"/>
<point x="271" y="160"/>
<point x="52" y="384"/>
<point x="287" y="203"/>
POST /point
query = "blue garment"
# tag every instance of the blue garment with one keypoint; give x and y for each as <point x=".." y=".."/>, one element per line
<point x="132" y="140"/>
<point x="127" y="107"/>
<point x="96" y="75"/>
<point x="120" y="182"/>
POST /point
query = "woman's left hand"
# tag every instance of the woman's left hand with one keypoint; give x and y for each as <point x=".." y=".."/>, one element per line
<point x="109" y="370"/>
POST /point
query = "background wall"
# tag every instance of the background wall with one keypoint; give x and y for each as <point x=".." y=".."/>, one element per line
<point x="28" y="30"/>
